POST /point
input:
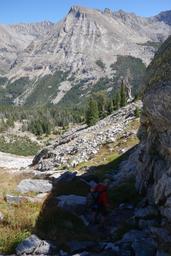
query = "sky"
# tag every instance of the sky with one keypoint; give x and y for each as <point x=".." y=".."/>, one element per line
<point x="16" y="11"/>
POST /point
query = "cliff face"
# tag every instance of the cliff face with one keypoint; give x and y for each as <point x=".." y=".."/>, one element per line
<point x="154" y="163"/>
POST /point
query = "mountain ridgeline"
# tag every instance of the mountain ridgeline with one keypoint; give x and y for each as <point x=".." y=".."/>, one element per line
<point x="89" y="50"/>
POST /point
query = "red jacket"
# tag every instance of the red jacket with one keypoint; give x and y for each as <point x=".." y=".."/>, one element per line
<point x="103" y="197"/>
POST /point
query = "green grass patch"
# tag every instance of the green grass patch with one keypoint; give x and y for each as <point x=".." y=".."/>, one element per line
<point x="22" y="146"/>
<point x="107" y="161"/>
<point x="18" y="224"/>
<point x="133" y="125"/>
<point x="19" y="219"/>
<point x="10" y="238"/>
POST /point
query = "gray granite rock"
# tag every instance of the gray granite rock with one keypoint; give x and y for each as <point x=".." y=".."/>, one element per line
<point x="161" y="234"/>
<point x="65" y="177"/>
<point x="147" y="212"/>
<point x="12" y="199"/>
<point x="162" y="253"/>
<point x="147" y="223"/>
<point x="1" y="216"/>
<point x="144" y="247"/>
<point x="34" y="185"/>
<point x="72" y="202"/>
<point x="34" y="246"/>
<point x="133" y="235"/>
<point x="78" y="247"/>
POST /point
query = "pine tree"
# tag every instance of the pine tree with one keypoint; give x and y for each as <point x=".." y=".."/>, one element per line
<point x="117" y="101"/>
<point x="101" y="99"/>
<point x="92" y="115"/>
<point x="123" y="95"/>
<point x="110" y="106"/>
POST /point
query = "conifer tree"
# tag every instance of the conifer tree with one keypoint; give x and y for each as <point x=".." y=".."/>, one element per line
<point x="123" y="95"/>
<point x="101" y="99"/>
<point x="92" y="115"/>
<point x="117" y="101"/>
<point x="110" y="106"/>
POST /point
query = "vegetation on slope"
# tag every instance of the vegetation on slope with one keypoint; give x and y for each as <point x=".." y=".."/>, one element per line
<point x="132" y="69"/>
<point x="18" y="145"/>
<point x="126" y="68"/>
<point x="19" y="219"/>
<point x="160" y="68"/>
<point x="46" y="89"/>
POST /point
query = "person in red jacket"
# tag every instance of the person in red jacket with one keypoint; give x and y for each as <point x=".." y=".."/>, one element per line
<point x="101" y="202"/>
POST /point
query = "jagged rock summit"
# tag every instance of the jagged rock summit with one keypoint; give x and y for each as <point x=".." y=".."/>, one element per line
<point x="82" y="47"/>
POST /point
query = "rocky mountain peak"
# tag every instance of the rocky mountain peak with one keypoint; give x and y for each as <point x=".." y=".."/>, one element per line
<point x="86" y="43"/>
<point x="165" y="17"/>
<point x="108" y="11"/>
<point x="37" y="29"/>
<point x="78" y="10"/>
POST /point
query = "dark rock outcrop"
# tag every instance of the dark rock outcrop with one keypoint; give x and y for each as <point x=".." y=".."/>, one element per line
<point x="153" y="165"/>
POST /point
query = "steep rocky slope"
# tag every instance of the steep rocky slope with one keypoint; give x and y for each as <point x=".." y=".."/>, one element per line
<point x="81" y="144"/>
<point x="165" y="17"/>
<point x="80" y="49"/>
<point x="133" y="225"/>
<point x="153" y="178"/>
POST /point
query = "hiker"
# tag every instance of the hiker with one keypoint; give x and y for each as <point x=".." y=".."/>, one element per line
<point x="99" y="203"/>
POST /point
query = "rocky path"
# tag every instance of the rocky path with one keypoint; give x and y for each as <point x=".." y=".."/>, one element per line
<point x="127" y="231"/>
<point x="14" y="162"/>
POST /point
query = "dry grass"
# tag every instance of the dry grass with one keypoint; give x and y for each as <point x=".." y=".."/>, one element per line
<point x="10" y="180"/>
<point x="19" y="219"/>
<point x="105" y="155"/>
<point x="109" y="154"/>
<point x="134" y="124"/>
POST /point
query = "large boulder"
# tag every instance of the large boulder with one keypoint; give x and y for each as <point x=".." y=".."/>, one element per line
<point x="35" y="246"/>
<point x="72" y="202"/>
<point x="144" y="247"/>
<point x="34" y="185"/>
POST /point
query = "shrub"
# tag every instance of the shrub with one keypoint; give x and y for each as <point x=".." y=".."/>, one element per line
<point x="18" y="145"/>
<point x="100" y="64"/>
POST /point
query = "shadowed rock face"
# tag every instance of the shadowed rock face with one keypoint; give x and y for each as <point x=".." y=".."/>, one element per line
<point x="165" y="17"/>
<point x="155" y="133"/>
